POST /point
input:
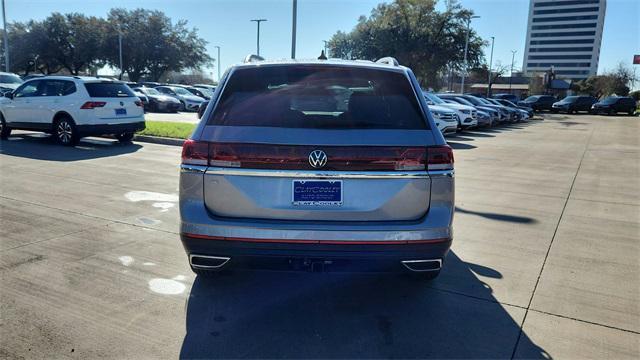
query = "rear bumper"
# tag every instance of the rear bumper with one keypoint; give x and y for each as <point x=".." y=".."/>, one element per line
<point x="105" y="129"/>
<point x="333" y="256"/>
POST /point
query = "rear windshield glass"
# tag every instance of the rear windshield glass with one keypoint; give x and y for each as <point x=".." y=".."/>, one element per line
<point x="108" y="90"/>
<point x="319" y="96"/>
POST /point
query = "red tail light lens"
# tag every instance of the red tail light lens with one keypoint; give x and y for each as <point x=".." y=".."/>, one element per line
<point x="138" y="103"/>
<point x="195" y="152"/>
<point x="93" y="104"/>
<point x="296" y="157"/>
<point x="440" y="158"/>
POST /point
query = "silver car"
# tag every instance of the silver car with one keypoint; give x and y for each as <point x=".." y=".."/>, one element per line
<point x="318" y="166"/>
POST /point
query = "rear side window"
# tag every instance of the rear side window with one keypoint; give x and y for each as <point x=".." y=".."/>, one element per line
<point x="108" y="90"/>
<point x="57" y="88"/>
<point x="319" y="96"/>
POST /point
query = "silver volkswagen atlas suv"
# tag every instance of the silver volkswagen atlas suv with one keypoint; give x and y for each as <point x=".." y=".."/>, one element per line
<point x="323" y="165"/>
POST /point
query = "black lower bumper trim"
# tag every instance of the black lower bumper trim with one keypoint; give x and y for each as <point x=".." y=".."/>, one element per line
<point x="108" y="129"/>
<point x="315" y="257"/>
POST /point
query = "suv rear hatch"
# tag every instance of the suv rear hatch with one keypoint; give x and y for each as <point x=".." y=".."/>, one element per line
<point x="113" y="103"/>
<point x="317" y="143"/>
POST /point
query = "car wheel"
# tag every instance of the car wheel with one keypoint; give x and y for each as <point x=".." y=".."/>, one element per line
<point x="125" y="137"/>
<point x="5" y="131"/>
<point x="632" y="112"/>
<point x="183" y="106"/>
<point x="64" y="129"/>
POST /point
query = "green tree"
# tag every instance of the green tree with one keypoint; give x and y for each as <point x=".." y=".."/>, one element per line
<point x="152" y="44"/>
<point x="415" y="33"/>
<point x="614" y="82"/>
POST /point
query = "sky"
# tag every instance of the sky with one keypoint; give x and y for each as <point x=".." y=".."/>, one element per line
<point x="227" y="23"/>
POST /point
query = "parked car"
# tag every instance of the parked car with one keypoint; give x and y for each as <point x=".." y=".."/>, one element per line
<point x="615" y="104"/>
<point x="503" y="114"/>
<point x="512" y="115"/>
<point x="528" y="110"/>
<point x="269" y="181"/>
<point x="212" y="88"/>
<point x="467" y="115"/>
<point x="573" y="104"/>
<point x="73" y="107"/>
<point x="142" y="97"/>
<point x="519" y="114"/>
<point x="189" y="101"/>
<point x="203" y="93"/>
<point x="446" y="119"/>
<point x="9" y="81"/>
<point x="539" y="102"/>
<point x="494" y="114"/>
<point x="159" y="102"/>
<point x="149" y="84"/>
<point x="510" y="97"/>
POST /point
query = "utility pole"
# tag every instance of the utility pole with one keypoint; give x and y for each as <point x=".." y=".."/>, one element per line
<point x="258" y="21"/>
<point x="6" y="38"/>
<point x="294" y="26"/>
<point x="493" y="38"/>
<point x="325" y="48"/>
<point x="219" y="63"/>
<point x="120" y="51"/>
<point x="466" y="47"/>
<point x="513" y="56"/>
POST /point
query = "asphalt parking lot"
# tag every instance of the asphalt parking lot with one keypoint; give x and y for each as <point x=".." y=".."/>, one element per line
<point x="545" y="261"/>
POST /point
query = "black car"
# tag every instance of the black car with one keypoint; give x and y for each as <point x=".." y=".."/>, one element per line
<point x="509" y="97"/>
<point x="538" y="102"/>
<point x="573" y="104"/>
<point x="615" y="104"/>
<point x="158" y="102"/>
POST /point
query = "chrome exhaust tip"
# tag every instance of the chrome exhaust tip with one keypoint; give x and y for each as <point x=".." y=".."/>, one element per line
<point x="423" y="265"/>
<point x="207" y="262"/>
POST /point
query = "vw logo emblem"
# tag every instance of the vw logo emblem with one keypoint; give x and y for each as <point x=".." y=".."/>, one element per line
<point x="317" y="159"/>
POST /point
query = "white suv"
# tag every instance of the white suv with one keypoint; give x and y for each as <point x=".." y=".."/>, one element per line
<point x="70" y="107"/>
<point x="467" y="115"/>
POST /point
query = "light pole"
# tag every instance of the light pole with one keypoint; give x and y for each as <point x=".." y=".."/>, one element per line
<point x="513" y="56"/>
<point x="219" y="63"/>
<point x="294" y="25"/>
<point x="466" y="47"/>
<point x="6" y="38"/>
<point x="120" y="51"/>
<point x="258" y="21"/>
<point x="493" y="38"/>
<point x="325" y="48"/>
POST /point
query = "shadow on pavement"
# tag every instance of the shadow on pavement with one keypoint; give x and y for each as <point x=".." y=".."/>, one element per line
<point x="43" y="147"/>
<point x="328" y="315"/>
<point x="460" y="146"/>
<point x="499" y="217"/>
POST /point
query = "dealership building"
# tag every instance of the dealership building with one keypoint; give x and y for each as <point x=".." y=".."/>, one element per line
<point x="565" y="35"/>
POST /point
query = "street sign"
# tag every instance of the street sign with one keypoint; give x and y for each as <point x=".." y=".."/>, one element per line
<point x="636" y="59"/>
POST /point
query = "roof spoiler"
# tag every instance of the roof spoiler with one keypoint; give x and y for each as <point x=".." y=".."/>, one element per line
<point x="388" y="60"/>
<point x="253" y="58"/>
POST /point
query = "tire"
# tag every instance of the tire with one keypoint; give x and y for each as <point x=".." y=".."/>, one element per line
<point x="631" y="113"/>
<point x="65" y="131"/>
<point x="125" y="138"/>
<point x="183" y="106"/>
<point x="5" y="131"/>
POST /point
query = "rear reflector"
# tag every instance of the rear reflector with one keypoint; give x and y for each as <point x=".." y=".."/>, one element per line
<point x="439" y="158"/>
<point x="93" y="104"/>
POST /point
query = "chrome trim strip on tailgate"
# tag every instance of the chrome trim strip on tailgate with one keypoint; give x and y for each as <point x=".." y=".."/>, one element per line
<point x="320" y="174"/>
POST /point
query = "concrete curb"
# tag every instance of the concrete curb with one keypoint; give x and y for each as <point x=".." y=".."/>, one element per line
<point x="159" y="140"/>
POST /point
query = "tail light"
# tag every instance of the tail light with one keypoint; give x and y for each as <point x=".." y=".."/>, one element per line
<point x="195" y="152"/>
<point x="440" y="158"/>
<point x="295" y="157"/>
<point x="138" y="103"/>
<point x="93" y="104"/>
